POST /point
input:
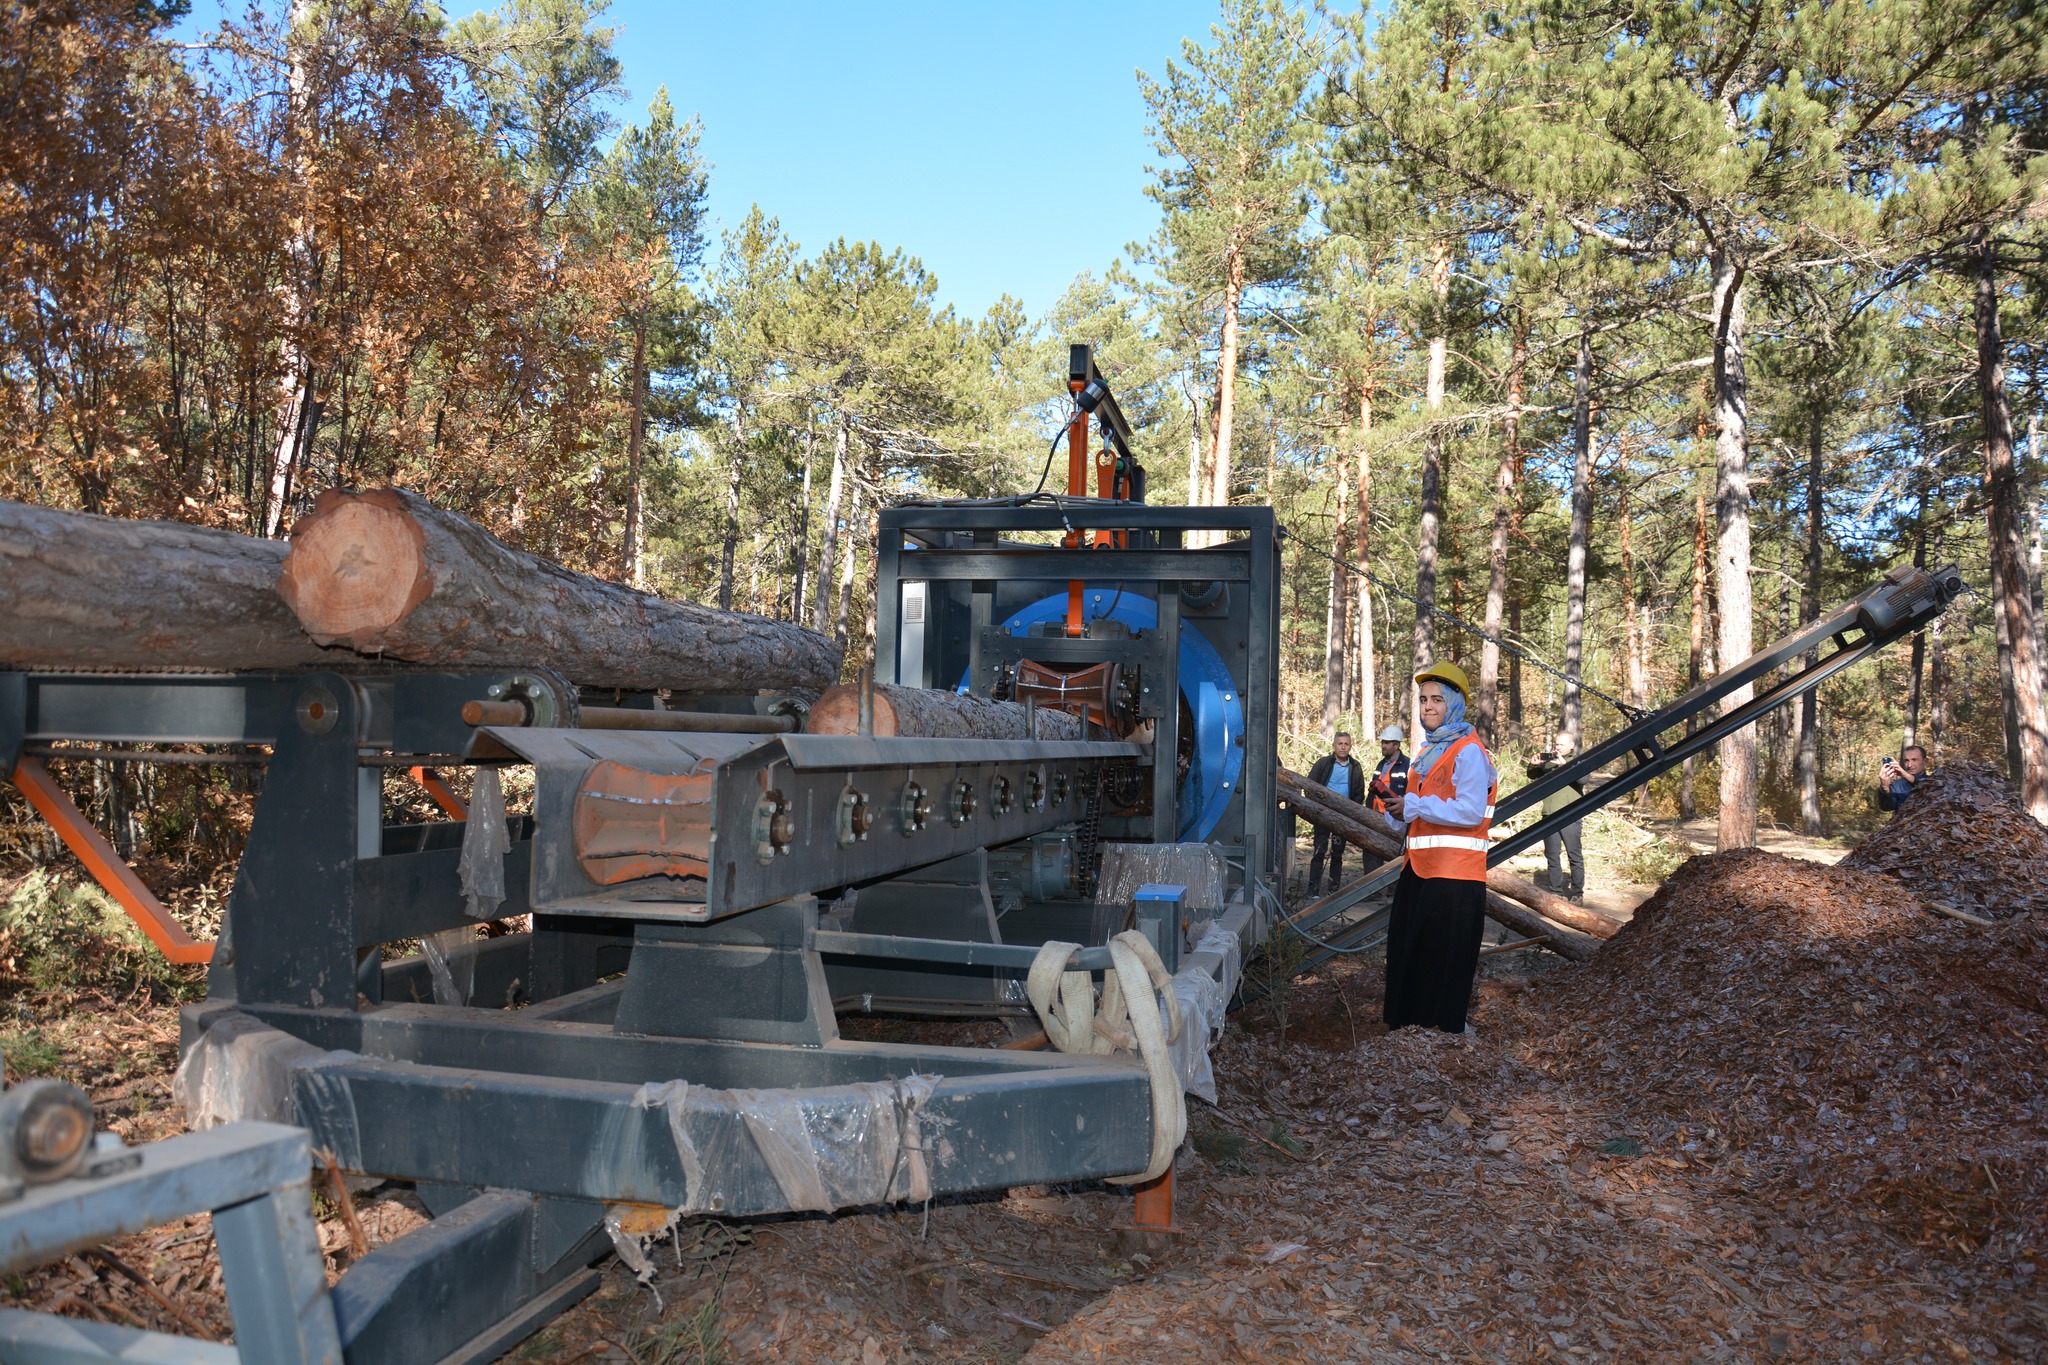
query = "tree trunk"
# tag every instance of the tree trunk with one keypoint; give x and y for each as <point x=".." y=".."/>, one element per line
<point x="1368" y="673"/>
<point x="1937" y="687"/>
<point x="2002" y="497"/>
<point x="85" y="592"/>
<point x="1809" y="612"/>
<point x="729" y="542"/>
<point x="935" y="713"/>
<point x="848" y="551"/>
<point x="834" y="498"/>
<point x="1504" y="499"/>
<point x="1919" y="636"/>
<point x="385" y="572"/>
<point x="2033" y="486"/>
<point x="636" y="445"/>
<point x="1634" y="629"/>
<point x="295" y="408"/>
<point x="803" y="523"/>
<point x="1430" y="512"/>
<point x="1731" y="564"/>
<point x="1337" y="625"/>
<point x="1226" y="379"/>
<point x="1571" y="722"/>
<point x="2008" y="704"/>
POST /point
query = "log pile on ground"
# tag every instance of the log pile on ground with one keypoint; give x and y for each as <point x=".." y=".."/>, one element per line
<point x="1966" y="841"/>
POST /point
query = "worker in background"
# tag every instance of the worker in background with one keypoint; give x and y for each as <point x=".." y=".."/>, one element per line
<point x="1440" y="901"/>
<point x="1898" y="778"/>
<point x="1344" y="775"/>
<point x="1391" y="777"/>
<point x="1562" y="847"/>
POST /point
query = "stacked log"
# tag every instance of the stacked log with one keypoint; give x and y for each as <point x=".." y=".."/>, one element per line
<point x="87" y="592"/>
<point x="387" y="573"/>
<point x="1511" y="900"/>
<point x="929" y="712"/>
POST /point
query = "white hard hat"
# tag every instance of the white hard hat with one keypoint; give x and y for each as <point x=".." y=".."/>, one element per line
<point x="1393" y="734"/>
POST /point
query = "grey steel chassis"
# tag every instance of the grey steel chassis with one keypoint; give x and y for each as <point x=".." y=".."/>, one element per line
<point x="1906" y="600"/>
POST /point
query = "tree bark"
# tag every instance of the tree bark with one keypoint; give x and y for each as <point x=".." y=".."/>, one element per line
<point x="1368" y="684"/>
<point x="1571" y="723"/>
<point x="1504" y="499"/>
<point x="835" y="495"/>
<point x="1226" y="379"/>
<point x="83" y="592"/>
<point x="636" y="448"/>
<point x="1731" y="564"/>
<point x="729" y="540"/>
<point x="935" y="713"/>
<point x="803" y="523"/>
<point x="1809" y="612"/>
<point x="1337" y="625"/>
<point x="1430" y="512"/>
<point x="1919" y="636"/>
<point x="2008" y="703"/>
<point x="296" y="411"/>
<point x="849" y="548"/>
<point x="387" y="573"/>
<point x="2002" y="497"/>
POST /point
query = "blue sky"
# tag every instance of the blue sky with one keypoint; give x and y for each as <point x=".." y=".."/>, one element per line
<point x="1004" y="144"/>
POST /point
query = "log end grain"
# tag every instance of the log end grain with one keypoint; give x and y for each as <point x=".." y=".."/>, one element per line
<point x="837" y="712"/>
<point x="357" y="566"/>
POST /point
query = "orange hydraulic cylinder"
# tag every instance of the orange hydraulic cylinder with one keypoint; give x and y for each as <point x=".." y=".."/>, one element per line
<point x="118" y="879"/>
<point x="1077" y="487"/>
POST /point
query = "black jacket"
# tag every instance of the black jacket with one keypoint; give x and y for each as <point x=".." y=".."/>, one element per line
<point x="1355" y="779"/>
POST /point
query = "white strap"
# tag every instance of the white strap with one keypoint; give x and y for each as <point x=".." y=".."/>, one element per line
<point x="1065" y="1001"/>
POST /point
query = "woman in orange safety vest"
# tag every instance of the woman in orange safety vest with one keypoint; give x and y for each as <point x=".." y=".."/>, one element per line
<point x="1440" y="902"/>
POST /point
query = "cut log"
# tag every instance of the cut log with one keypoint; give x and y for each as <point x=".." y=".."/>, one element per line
<point x="939" y="715"/>
<point x="1564" y="942"/>
<point x="1321" y="806"/>
<point x="86" y="592"/>
<point x="387" y="573"/>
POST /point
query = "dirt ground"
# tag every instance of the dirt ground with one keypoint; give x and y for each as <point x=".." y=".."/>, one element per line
<point x="1505" y="1195"/>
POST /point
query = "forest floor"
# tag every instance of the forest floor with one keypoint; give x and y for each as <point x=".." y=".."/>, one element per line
<point x="1598" y="1172"/>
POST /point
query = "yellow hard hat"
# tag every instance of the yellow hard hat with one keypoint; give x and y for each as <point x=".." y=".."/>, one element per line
<point x="1449" y="674"/>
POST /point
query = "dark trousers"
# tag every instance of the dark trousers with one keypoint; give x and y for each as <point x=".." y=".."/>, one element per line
<point x="1433" y="950"/>
<point x="1566" y="843"/>
<point x="1329" y="843"/>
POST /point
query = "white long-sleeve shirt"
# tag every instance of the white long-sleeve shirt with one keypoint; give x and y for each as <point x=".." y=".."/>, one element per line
<point x="1472" y="777"/>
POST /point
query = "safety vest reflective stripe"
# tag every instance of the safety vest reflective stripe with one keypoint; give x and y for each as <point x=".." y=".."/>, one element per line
<point x="1451" y="851"/>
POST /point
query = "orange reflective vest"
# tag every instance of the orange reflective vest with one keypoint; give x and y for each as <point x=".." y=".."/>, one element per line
<point x="1455" y="851"/>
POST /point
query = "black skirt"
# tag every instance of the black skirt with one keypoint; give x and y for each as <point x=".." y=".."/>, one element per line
<point x="1432" y="950"/>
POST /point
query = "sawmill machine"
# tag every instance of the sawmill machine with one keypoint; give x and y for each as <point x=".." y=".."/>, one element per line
<point x="710" y="889"/>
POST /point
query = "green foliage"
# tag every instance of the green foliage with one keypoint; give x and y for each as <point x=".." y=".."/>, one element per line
<point x="30" y="1053"/>
<point x="74" y="938"/>
<point x="1648" y="864"/>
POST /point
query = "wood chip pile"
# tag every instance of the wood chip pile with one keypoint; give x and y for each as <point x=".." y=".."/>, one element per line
<point x="1964" y="839"/>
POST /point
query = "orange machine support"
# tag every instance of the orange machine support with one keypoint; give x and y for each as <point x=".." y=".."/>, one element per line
<point x="444" y="796"/>
<point x="1154" y="1212"/>
<point x="118" y="879"/>
<point x="1077" y="487"/>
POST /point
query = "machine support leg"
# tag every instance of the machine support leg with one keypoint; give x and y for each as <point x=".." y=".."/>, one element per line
<point x="276" y="1284"/>
<point x="1154" y="1212"/>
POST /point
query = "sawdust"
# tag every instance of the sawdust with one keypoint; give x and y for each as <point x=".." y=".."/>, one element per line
<point x="1964" y="838"/>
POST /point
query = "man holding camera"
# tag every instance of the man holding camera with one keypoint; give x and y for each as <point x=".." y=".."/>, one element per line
<point x="1563" y="846"/>
<point x="1898" y="778"/>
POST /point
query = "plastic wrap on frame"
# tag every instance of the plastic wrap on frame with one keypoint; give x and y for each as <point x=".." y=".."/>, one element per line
<point x="1198" y="867"/>
<point x="451" y="963"/>
<point x="486" y="839"/>
<point x="240" y="1068"/>
<point x="828" y="1147"/>
<point x="1203" y="1001"/>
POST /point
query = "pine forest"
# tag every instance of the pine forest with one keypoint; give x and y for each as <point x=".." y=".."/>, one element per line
<point x="1628" y="335"/>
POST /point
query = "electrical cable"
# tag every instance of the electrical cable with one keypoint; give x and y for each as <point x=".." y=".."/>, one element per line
<point x="1632" y="712"/>
<point x="1066" y="429"/>
<point x="1280" y="913"/>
